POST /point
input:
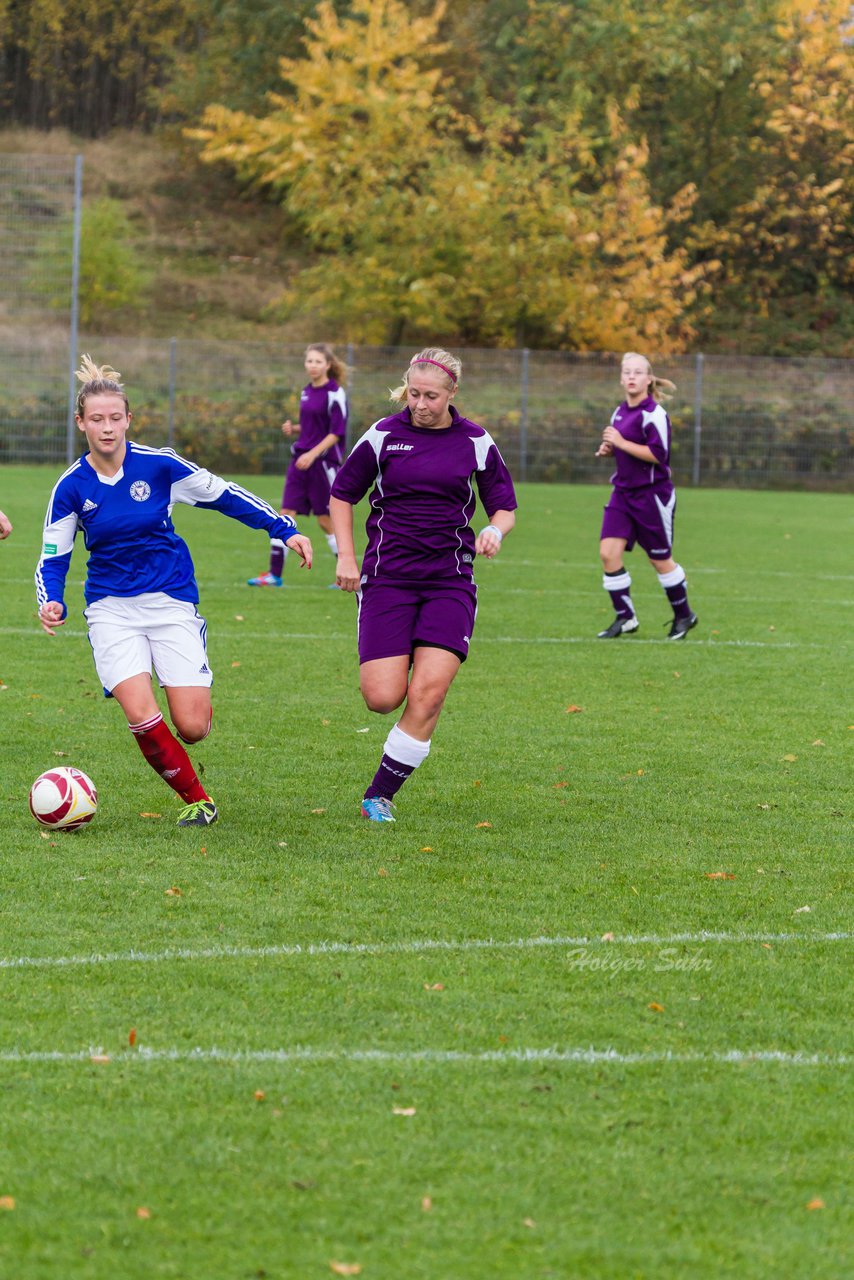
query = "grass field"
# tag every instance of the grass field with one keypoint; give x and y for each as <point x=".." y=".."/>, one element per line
<point x="584" y="1011"/>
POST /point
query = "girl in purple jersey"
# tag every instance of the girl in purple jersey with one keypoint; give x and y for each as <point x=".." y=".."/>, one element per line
<point x="417" y="599"/>
<point x="642" y="506"/>
<point x="316" y="454"/>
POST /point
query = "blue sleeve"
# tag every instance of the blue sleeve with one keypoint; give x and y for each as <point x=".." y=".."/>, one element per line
<point x="60" y="529"/>
<point x="197" y="487"/>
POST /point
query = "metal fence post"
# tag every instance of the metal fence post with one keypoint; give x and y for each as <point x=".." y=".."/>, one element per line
<point x="523" y="417"/>
<point x="75" y="307"/>
<point x="351" y="369"/>
<point x="173" y="364"/>
<point x="698" y="417"/>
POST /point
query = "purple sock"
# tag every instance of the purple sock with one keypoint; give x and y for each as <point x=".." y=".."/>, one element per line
<point x="676" y="589"/>
<point x="277" y="561"/>
<point x="389" y="778"/>
<point x="619" y="588"/>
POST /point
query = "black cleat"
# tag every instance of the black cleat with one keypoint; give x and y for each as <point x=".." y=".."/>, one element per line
<point x="619" y="627"/>
<point x="199" y="814"/>
<point x="681" y="627"/>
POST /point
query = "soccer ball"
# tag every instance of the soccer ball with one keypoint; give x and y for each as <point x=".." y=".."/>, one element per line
<point x="63" y="799"/>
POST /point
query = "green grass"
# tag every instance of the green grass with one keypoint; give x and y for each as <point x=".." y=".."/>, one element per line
<point x="296" y="962"/>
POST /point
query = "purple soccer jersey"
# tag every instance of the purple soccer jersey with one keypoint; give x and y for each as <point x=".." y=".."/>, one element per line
<point x="423" y="496"/>
<point x="322" y="410"/>
<point x="648" y="424"/>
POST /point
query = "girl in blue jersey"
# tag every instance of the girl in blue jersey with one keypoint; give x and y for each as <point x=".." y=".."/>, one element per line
<point x="642" y="507"/>
<point x="317" y="452"/>
<point x="141" y="593"/>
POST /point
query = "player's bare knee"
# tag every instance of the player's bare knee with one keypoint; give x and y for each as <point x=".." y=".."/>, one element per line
<point x="382" y="701"/>
<point x="192" y="729"/>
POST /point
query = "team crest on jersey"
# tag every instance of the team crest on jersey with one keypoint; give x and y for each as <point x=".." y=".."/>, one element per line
<point x="139" y="491"/>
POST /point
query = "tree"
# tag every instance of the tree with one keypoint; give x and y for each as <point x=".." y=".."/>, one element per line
<point x="429" y="220"/>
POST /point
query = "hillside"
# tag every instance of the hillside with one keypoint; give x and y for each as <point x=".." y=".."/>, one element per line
<point x="211" y="262"/>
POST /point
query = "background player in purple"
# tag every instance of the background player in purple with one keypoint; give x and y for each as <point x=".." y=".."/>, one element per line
<point x="141" y="593"/>
<point x="642" y="506"/>
<point x="317" y="452"/>
<point x="416" y="595"/>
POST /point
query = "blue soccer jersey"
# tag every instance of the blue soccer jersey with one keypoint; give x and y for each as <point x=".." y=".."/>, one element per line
<point x="127" y="524"/>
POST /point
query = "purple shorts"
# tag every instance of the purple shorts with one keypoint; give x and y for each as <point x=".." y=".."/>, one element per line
<point x="307" y="492"/>
<point x="396" y="617"/>
<point x="642" y="516"/>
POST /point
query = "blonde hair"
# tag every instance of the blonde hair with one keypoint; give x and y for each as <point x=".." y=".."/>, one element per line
<point x="660" y="388"/>
<point x="431" y="358"/>
<point x="98" y="380"/>
<point x="337" y="367"/>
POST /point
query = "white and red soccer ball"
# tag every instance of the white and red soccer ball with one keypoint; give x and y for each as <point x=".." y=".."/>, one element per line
<point x="63" y="799"/>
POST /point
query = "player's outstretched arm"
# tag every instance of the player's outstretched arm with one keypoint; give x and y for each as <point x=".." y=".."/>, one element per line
<point x="52" y="615"/>
<point x="5" y="525"/>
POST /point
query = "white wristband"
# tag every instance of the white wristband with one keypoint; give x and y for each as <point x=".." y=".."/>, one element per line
<point x="492" y="528"/>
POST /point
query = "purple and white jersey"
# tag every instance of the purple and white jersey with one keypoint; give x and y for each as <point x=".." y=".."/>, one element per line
<point x="423" y="496"/>
<point x="646" y="423"/>
<point x="322" y="410"/>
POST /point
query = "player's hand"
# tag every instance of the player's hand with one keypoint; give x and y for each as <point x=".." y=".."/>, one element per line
<point x="50" y="616"/>
<point x="604" y="450"/>
<point x="287" y="427"/>
<point x="302" y="546"/>
<point x="487" y="544"/>
<point x="304" y="461"/>
<point x="612" y="437"/>
<point x="347" y="573"/>
<point x="5" y="526"/>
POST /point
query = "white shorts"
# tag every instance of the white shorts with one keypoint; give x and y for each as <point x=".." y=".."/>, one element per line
<point x="131" y="635"/>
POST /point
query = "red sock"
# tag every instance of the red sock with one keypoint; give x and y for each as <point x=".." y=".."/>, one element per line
<point x="167" y="757"/>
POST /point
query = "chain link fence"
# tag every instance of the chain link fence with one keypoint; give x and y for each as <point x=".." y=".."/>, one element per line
<point x="748" y="422"/>
<point x="40" y="204"/>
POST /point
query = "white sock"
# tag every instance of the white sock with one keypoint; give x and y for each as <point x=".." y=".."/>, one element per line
<point x="674" y="578"/>
<point x="400" y="746"/>
<point x="331" y="543"/>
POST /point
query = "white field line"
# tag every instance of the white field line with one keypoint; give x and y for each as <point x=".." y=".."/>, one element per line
<point x="342" y="636"/>
<point x="415" y="946"/>
<point x="442" y="1057"/>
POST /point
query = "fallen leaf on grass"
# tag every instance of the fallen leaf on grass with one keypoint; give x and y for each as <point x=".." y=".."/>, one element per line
<point x="767" y="946"/>
<point x="99" y="1057"/>
<point x="7" y="1202"/>
<point x="435" y="986"/>
<point x="655" y="1006"/>
<point x="719" y="875"/>
<point x="382" y="872"/>
<point x="557" y="785"/>
<point x="238" y="617"/>
<point x="607" y="937"/>
<point x="345" y="1268"/>
<point x="528" y="1222"/>
<point x="65" y="753"/>
<point x="427" y="848"/>
<point x="132" y="1037"/>
<point x="403" y="1111"/>
<point x="318" y="811"/>
<point x="790" y="758"/>
<point x="259" y="1095"/>
<point x="572" y="708"/>
<point x="818" y="743"/>
<point x="174" y="892"/>
<point x="143" y="1213"/>
<point x="816" y="1204"/>
<point x="797" y="911"/>
<point x="483" y="824"/>
<point x="235" y="664"/>
<point x="151" y="815"/>
<point x="363" y="730"/>
<point x="426" y="1204"/>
